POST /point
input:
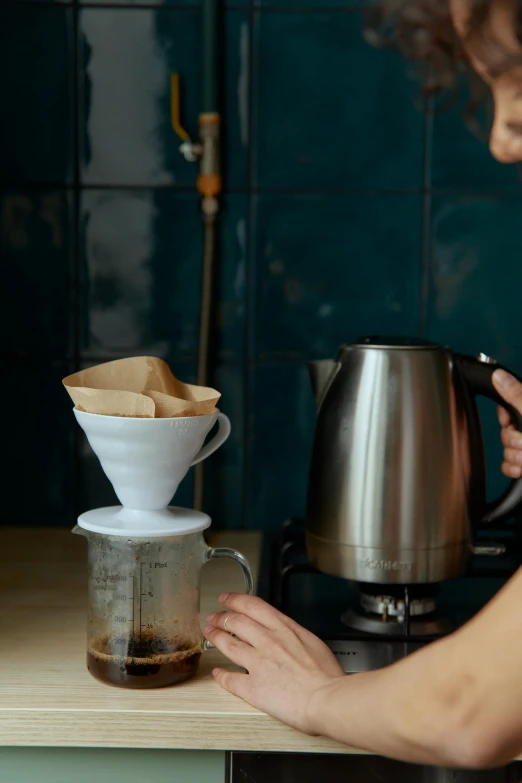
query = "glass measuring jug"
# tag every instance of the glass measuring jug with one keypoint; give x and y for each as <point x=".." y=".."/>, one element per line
<point x="143" y="607"/>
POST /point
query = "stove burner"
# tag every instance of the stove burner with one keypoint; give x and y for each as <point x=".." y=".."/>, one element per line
<point x="406" y="611"/>
<point x="388" y="606"/>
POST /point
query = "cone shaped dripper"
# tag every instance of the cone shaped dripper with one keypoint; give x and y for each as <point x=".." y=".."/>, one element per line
<point x="146" y="459"/>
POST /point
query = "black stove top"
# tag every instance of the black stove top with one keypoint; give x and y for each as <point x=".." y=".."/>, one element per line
<point x="320" y="602"/>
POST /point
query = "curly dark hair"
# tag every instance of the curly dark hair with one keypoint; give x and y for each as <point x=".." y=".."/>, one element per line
<point x="423" y="30"/>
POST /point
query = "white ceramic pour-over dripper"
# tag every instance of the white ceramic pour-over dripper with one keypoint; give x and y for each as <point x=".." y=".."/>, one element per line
<point x="146" y="459"/>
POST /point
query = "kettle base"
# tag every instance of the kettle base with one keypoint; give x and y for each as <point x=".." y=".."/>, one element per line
<point x="387" y="566"/>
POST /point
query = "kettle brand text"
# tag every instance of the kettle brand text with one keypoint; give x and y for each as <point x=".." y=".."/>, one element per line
<point x="386" y="565"/>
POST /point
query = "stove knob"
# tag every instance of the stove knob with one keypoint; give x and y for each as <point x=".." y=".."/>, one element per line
<point x="485" y="359"/>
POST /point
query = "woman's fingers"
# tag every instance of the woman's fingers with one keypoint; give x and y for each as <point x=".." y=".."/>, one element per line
<point x="238" y="651"/>
<point x="503" y="416"/>
<point x="509" y="388"/>
<point x="240" y="625"/>
<point x="256" y="609"/>
<point x="234" y="682"/>
<point x="265" y="616"/>
<point x="513" y="456"/>
<point x="512" y="442"/>
<point x="511" y="438"/>
<point x="511" y="471"/>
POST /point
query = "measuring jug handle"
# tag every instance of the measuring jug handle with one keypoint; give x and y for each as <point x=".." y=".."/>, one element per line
<point x="243" y="563"/>
<point x="219" y="438"/>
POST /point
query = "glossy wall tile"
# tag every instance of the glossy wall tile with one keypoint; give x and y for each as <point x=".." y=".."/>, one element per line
<point x="475" y="275"/>
<point x="38" y="480"/>
<point x="141" y="254"/>
<point x="225" y="472"/>
<point x="36" y="67"/>
<point x="127" y="56"/>
<point x="131" y="3"/>
<point x="332" y="5"/>
<point x="281" y="422"/>
<point x="36" y="295"/>
<point x="324" y="275"/>
<point x="335" y="112"/>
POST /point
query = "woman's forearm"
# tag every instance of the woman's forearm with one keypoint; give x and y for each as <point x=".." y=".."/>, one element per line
<point x="457" y="702"/>
<point x="415" y="710"/>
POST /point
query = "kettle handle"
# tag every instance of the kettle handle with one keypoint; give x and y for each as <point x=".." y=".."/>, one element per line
<point x="477" y="376"/>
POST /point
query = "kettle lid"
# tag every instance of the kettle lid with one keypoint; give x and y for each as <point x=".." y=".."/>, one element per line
<point x="408" y="343"/>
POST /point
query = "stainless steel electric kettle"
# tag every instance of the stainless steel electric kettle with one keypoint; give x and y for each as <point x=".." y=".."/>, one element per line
<point x="397" y="478"/>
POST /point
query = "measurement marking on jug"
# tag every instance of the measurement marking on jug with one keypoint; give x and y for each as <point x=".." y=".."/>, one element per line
<point x="141" y="582"/>
<point x="132" y="599"/>
<point x="146" y="593"/>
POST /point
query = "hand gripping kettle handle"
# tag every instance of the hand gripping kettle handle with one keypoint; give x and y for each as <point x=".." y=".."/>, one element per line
<point x="477" y="376"/>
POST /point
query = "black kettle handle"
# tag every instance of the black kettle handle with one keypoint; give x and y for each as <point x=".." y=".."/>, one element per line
<point x="477" y="376"/>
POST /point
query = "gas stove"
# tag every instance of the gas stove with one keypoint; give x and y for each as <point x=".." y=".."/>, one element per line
<point x="369" y="626"/>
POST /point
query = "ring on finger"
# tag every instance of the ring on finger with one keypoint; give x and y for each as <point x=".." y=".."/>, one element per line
<point x="227" y="618"/>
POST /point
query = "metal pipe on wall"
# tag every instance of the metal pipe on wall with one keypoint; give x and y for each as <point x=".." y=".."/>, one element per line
<point x="209" y="19"/>
<point x="209" y="185"/>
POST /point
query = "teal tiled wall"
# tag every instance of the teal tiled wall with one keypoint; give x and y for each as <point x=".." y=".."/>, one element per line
<point x="350" y="207"/>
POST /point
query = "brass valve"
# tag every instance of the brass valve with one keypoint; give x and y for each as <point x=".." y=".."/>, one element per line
<point x="209" y="182"/>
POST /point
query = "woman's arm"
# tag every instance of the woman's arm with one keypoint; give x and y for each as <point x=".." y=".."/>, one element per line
<point x="456" y="702"/>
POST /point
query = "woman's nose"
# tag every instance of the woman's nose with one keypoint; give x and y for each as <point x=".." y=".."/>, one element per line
<point x="505" y="141"/>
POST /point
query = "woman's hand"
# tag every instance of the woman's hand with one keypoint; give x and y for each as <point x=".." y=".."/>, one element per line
<point x="289" y="669"/>
<point x="511" y="391"/>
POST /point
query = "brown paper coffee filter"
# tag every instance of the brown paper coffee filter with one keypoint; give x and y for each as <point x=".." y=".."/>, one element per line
<point x="167" y="407"/>
<point x="112" y="403"/>
<point x="141" y="386"/>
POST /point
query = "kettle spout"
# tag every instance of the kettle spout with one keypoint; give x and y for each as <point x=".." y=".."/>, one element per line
<point x="79" y="531"/>
<point x="322" y="374"/>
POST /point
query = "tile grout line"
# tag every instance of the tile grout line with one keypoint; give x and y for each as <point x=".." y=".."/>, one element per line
<point x="57" y="361"/>
<point x="125" y="6"/>
<point x="248" y="371"/>
<point x="76" y="186"/>
<point x="513" y="191"/>
<point x="426" y="220"/>
<point x="76" y="243"/>
<point x="274" y="191"/>
<point x="176" y="6"/>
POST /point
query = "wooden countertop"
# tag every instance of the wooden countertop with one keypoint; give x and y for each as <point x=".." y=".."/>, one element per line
<point x="47" y="696"/>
